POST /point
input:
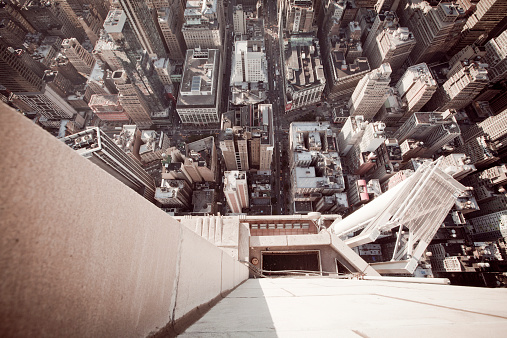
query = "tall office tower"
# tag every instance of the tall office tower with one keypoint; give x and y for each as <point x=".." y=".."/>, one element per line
<point x="78" y="56"/>
<point x="12" y="33"/>
<point x="371" y="92"/>
<point x="440" y="136"/>
<point x="96" y="146"/>
<point x="469" y="53"/>
<point x="457" y="165"/>
<point x="382" y="21"/>
<point x="300" y="16"/>
<point x="351" y="133"/>
<point x="204" y="24"/>
<point x="63" y="65"/>
<point x="362" y="158"/>
<point x="249" y="60"/>
<point x="200" y="90"/>
<point x="132" y="100"/>
<point x="12" y="11"/>
<point x="170" y="26"/>
<point x="431" y="129"/>
<point x="344" y="77"/>
<point x="416" y="87"/>
<point x="51" y="18"/>
<point x="485" y="142"/>
<point x="461" y="88"/>
<point x="435" y="28"/>
<point x="121" y="49"/>
<point x="333" y="12"/>
<point x="411" y="148"/>
<point x="249" y="138"/>
<point x="392" y="45"/>
<point x="490" y="227"/>
<point x="419" y="204"/>
<point x="174" y="194"/>
<point x="388" y="161"/>
<point x="487" y="15"/>
<point x="108" y="108"/>
<point x="239" y="19"/>
<point x="373" y="137"/>
<point x="16" y="74"/>
<point x="236" y="190"/>
<point x="305" y="75"/>
<point x="419" y="125"/>
<point x="143" y="23"/>
<point x="496" y="57"/>
<point x="393" y="109"/>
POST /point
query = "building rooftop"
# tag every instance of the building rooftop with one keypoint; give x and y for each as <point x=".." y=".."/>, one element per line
<point x="198" y="86"/>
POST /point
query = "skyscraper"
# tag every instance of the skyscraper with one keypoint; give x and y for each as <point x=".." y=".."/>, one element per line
<point x="371" y="92"/>
<point x="487" y="14"/>
<point x="236" y="190"/>
<point x="461" y="88"/>
<point x="96" y="146"/>
<point x="416" y="87"/>
<point x="78" y="56"/>
<point x="435" y="28"/>
<point x="132" y="100"/>
<point x="392" y="45"/>
<point x="204" y="24"/>
<point x="170" y="25"/>
<point x="143" y="23"/>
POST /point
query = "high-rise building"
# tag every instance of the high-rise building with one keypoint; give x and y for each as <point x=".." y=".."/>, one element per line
<point x="351" y="133"/>
<point x="435" y="28"/>
<point x="53" y="18"/>
<point x="200" y="89"/>
<point x="486" y="16"/>
<point x="108" y="108"/>
<point x="249" y="138"/>
<point x="496" y="57"/>
<point x="170" y="26"/>
<point x="432" y="129"/>
<point x="12" y="33"/>
<point x="143" y="23"/>
<point x="239" y="19"/>
<point x="388" y="161"/>
<point x="132" y="100"/>
<point x="392" y="45"/>
<point x="174" y="194"/>
<point x="305" y="75"/>
<point x="484" y="142"/>
<point x="384" y="20"/>
<point x="371" y="92"/>
<point x="236" y="190"/>
<point x="16" y="74"/>
<point x="300" y="16"/>
<point x="249" y="60"/>
<point x="204" y="24"/>
<point x="461" y="88"/>
<point x="416" y="87"/>
<point x="78" y="56"/>
<point x="96" y="146"/>
<point x="344" y="76"/>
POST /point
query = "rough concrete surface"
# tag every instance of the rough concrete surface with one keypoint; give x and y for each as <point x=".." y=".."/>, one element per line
<point x="326" y="307"/>
<point x="81" y="254"/>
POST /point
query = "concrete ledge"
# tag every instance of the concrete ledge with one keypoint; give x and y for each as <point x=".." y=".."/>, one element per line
<point x="267" y="241"/>
<point x="83" y="255"/>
